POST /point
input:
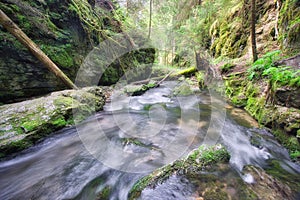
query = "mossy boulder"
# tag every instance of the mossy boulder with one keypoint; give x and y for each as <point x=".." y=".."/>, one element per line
<point x="206" y="174"/>
<point x="198" y="160"/>
<point x="25" y="123"/>
<point x="183" y="89"/>
<point x="137" y="90"/>
<point x="66" y="31"/>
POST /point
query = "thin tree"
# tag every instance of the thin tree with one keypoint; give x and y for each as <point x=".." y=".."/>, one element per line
<point x="150" y="19"/>
<point x="253" y="36"/>
<point x="7" y="23"/>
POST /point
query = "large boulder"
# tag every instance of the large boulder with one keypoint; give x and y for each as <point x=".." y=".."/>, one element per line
<point x="66" y="31"/>
<point x="25" y="123"/>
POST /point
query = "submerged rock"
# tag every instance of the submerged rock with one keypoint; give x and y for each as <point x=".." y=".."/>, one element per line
<point x="206" y="174"/>
<point x="199" y="159"/>
<point x="23" y="124"/>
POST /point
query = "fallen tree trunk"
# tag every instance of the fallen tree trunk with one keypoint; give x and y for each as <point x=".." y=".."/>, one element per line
<point x="185" y="72"/>
<point x="11" y="27"/>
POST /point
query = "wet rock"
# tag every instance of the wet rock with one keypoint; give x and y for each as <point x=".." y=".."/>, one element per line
<point x="23" y="124"/>
<point x="137" y="90"/>
<point x="198" y="160"/>
<point x="183" y="89"/>
<point x="206" y="174"/>
<point x="288" y="97"/>
<point x="292" y="62"/>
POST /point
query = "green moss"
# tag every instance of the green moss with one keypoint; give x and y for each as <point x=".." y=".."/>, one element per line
<point x="134" y="141"/>
<point x="226" y="67"/>
<point x="295" y="155"/>
<point x="64" y="102"/>
<point x="186" y="72"/>
<point x="59" y="122"/>
<point x="139" y="186"/>
<point x="59" y="55"/>
<point x="200" y="76"/>
<point x="215" y="194"/>
<point x="23" y="22"/>
<point x="199" y="159"/>
<point x="276" y="170"/>
<point x="239" y="100"/>
<point x="104" y="194"/>
<point x="137" y="90"/>
<point x="290" y="142"/>
<point x="289" y="26"/>
<point x="15" y="146"/>
<point x="31" y="125"/>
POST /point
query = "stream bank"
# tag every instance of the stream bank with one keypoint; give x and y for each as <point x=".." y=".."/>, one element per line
<point x="272" y="103"/>
<point x="159" y="131"/>
<point x="25" y="123"/>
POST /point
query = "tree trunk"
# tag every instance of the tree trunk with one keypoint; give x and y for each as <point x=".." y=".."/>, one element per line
<point x="198" y="61"/>
<point x="7" y="23"/>
<point x="150" y="19"/>
<point x="253" y="36"/>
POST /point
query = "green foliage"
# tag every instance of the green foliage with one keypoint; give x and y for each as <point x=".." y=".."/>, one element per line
<point x="200" y="76"/>
<point x="295" y="155"/>
<point x="283" y="76"/>
<point x="257" y="68"/>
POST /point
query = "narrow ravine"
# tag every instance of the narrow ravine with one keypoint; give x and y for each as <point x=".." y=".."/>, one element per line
<point x="105" y="155"/>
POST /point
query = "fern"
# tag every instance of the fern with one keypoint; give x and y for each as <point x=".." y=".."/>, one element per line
<point x="283" y="76"/>
<point x="264" y="63"/>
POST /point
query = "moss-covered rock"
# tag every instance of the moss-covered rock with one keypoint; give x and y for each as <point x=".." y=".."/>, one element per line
<point x="198" y="160"/>
<point x="66" y="31"/>
<point x="289" y="22"/>
<point x="137" y="90"/>
<point x="23" y="124"/>
<point x="183" y="89"/>
<point x="209" y="176"/>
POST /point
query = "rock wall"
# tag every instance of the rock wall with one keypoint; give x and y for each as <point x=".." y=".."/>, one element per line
<point x="66" y="30"/>
<point x="277" y="26"/>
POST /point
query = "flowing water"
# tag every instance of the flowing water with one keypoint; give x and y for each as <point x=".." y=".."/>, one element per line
<point x="133" y="136"/>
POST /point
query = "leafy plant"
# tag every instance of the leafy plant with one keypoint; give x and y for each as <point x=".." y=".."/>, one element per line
<point x="283" y="76"/>
<point x="266" y="62"/>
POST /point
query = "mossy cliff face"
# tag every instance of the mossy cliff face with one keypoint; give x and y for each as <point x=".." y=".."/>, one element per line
<point x="278" y="24"/>
<point x="66" y="31"/>
<point x="289" y="23"/>
<point x="23" y="124"/>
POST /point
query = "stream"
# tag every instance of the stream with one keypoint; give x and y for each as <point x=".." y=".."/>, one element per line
<point x="132" y="137"/>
